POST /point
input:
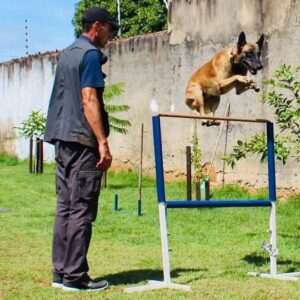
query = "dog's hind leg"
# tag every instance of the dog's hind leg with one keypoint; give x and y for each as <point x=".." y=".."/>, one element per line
<point x="211" y="105"/>
<point x="194" y="99"/>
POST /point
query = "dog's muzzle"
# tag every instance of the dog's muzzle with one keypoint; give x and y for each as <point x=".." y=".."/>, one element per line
<point x="252" y="67"/>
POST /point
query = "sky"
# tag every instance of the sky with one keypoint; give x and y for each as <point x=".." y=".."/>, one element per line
<point x="49" y="26"/>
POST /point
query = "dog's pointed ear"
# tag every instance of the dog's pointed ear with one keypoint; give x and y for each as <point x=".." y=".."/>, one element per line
<point x="241" y="41"/>
<point x="260" y="41"/>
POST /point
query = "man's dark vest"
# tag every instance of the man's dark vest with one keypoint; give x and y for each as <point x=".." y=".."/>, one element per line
<point x="66" y="120"/>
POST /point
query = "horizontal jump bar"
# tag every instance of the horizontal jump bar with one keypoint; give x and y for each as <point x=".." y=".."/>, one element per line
<point x="218" y="203"/>
<point x="172" y="115"/>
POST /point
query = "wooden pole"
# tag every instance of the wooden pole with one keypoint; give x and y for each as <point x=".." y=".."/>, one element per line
<point x="188" y="173"/>
<point x="173" y="115"/>
<point x="104" y="179"/>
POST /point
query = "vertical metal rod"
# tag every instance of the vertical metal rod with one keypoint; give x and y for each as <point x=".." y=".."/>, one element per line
<point x="39" y="147"/>
<point x="42" y="155"/>
<point x="139" y="208"/>
<point x="119" y="17"/>
<point x="116" y="206"/>
<point x="26" y="37"/>
<point x="218" y="140"/>
<point x="36" y="154"/>
<point x="160" y="183"/>
<point x="188" y="173"/>
<point x="164" y="242"/>
<point x="273" y="255"/>
<point x="141" y="172"/>
<point x="198" y="190"/>
<point x="271" y="161"/>
<point x="30" y="154"/>
<point x="225" y="146"/>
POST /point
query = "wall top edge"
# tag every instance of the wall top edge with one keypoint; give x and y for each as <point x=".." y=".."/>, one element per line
<point x="55" y="53"/>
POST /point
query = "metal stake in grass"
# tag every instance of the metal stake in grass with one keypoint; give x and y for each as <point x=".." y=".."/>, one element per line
<point x="140" y="173"/>
<point x="188" y="173"/>
<point x="116" y="203"/>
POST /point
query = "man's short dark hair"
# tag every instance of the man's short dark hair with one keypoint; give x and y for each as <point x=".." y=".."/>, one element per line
<point x="86" y="27"/>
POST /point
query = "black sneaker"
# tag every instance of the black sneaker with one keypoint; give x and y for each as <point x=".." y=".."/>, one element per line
<point x="90" y="285"/>
<point x="57" y="281"/>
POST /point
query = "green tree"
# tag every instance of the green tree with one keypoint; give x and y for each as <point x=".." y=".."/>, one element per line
<point x="284" y="97"/>
<point x="137" y="17"/>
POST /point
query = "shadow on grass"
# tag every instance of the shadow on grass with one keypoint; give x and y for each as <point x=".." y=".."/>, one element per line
<point x="256" y="260"/>
<point x="138" y="276"/>
<point x="120" y="186"/>
<point x="289" y="236"/>
<point x="259" y="260"/>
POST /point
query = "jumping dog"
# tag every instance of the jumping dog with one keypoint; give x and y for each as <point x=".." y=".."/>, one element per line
<point x="225" y="71"/>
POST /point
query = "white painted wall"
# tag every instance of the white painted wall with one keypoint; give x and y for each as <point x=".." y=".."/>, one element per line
<point x="157" y="67"/>
<point x="25" y="85"/>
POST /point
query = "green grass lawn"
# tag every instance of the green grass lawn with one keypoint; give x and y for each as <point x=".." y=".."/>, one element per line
<point x="212" y="249"/>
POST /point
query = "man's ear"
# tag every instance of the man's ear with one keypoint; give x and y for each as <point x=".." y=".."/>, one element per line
<point x="97" y="24"/>
<point x="260" y="41"/>
<point x="241" y="41"/>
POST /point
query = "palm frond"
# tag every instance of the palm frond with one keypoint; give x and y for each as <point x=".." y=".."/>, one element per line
<point x="113" y="90"/>
<point x="119" y="122"/>
<point x="119" y="129"/>
<point x="112" y="108"/>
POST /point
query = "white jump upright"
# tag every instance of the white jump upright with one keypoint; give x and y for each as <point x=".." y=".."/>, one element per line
<point x="271" y="248"/>
<point x="166" y="283"/>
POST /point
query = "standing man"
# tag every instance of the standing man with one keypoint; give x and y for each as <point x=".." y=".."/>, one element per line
<point x="77" y="124"/>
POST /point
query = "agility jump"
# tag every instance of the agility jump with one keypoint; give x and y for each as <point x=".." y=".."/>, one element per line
<point x="167" y="204"/>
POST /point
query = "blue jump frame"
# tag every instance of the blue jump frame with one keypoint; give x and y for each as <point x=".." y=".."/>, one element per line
<point x="160" y="183"/>
<point x="163" y="204"/>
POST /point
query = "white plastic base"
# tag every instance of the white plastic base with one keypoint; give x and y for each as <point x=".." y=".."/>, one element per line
<point x="283" y="276"/>
<point x="155" y="285"/>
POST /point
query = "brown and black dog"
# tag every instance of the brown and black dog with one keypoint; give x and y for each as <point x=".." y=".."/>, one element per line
<point x="225" y="71"/>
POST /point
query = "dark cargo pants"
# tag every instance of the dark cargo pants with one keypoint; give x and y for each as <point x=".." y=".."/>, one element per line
<point x="78" y="188"/>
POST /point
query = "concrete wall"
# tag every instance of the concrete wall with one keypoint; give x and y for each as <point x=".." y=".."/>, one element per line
<point x="156" y="69"/>
<point x="25" y="85"/>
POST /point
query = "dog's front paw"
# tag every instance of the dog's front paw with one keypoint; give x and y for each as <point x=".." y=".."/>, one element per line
<point x="253" y="85"/>
<point x="209" y="123"/>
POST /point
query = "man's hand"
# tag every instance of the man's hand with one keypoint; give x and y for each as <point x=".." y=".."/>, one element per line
<point x="105" y="157"/>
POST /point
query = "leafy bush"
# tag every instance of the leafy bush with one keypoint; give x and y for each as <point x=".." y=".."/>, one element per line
<point x="283" y="96"/>
<point x="34" y="125"/>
